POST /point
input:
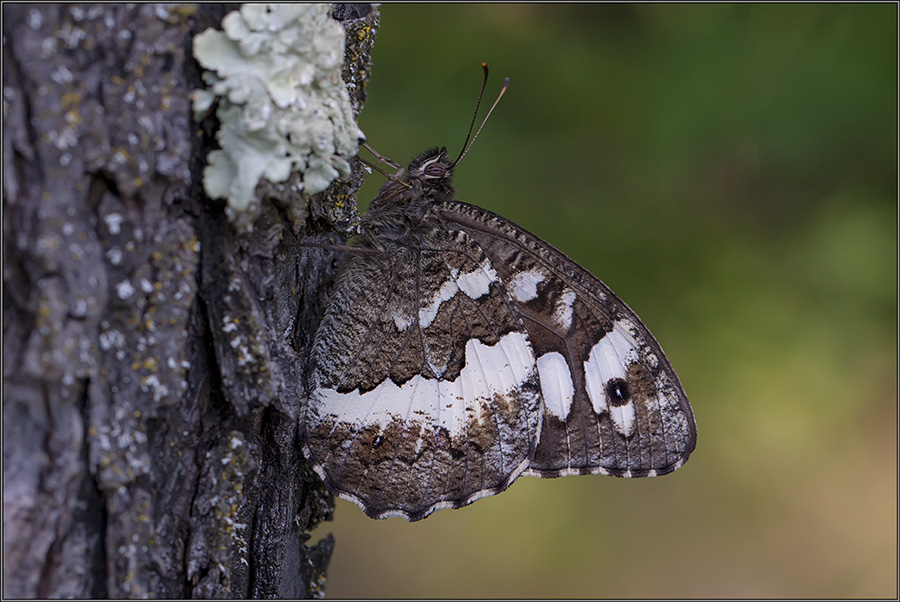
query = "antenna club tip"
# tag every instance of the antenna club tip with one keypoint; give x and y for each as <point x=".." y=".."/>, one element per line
<point x="506" y="83"/>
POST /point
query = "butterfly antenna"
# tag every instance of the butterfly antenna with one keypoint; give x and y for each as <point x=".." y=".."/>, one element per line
<point x="477" y="105"/>
<point x="493" y="106"/>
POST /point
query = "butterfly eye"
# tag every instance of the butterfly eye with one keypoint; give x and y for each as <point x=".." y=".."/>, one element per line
<point x="435" y="170"/>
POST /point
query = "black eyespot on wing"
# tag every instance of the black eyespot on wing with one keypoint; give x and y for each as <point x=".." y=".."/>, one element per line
<point x="618" y="391"/>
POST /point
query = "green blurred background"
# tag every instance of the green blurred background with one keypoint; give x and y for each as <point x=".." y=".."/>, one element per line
<point x="731" y="172"/>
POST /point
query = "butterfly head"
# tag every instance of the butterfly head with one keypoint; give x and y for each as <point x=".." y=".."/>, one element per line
<point x="427" y="177"/>
<point x="432" y="172"/>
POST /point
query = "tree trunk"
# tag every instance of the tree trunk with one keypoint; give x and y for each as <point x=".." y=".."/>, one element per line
<point x="154" y="357"/>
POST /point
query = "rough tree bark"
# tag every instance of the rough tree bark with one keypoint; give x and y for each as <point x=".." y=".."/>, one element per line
<point x="142" y="455"/>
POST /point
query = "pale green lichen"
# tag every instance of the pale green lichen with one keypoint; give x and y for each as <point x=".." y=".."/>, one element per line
<point x="276" y="73"/>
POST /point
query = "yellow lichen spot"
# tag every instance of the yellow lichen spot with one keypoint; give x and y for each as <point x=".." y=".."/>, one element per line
<point x="137" y="414"/>
<point x="136" y="366"/>
<point x="145" y="59"/>
<point x="150" y="364"/>
<point x="92" y="431"/>
<point x="139" y="71"/>
<point x="156" y="255"/>
<point x="183" y="10"/>
<point x="138" y="182"/>
<point x="70" y="98"/>
<point x="117" y="80"/>
<point x="149" y="324"/>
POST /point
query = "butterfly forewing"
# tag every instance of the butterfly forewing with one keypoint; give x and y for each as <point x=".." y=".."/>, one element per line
<point x="612" y="402"/>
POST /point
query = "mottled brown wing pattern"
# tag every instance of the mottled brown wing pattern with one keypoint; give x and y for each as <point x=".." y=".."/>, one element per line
<point x="425" y="394"/>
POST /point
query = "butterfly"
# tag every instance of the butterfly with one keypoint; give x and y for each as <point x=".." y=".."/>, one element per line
<point x="460" y="351"/>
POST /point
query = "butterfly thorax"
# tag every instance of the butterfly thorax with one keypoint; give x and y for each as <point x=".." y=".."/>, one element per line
<point x="403" y="203"/>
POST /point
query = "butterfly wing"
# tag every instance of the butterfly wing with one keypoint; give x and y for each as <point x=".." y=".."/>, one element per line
<point x="612" y="402"/>
<point x="424" y="390"/>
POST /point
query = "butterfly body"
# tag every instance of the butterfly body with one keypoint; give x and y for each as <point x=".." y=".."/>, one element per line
<point x="460" y="351"/>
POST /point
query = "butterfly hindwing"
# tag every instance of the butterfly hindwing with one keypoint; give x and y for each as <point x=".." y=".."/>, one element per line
<point x="426" y="394"/>
<point x="612" y="402"/>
